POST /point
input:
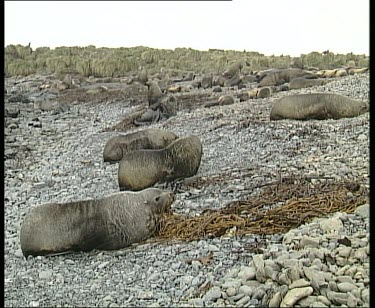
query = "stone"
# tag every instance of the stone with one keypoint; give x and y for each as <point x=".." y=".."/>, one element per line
<point x="261" y="275"/>
<point x="231" y="291"/>
<point x="212" y="295"/>
<point x="246" y="290"/>
<point x="258" y="262"/>
<point x="308" y="301"/>
<point x="344" y="251"/>
<point x="231" y="283"/>
<point x="258" y="293"/>
<point x="45" y="274"/>
<point x="345" y="287"/>
<point x="317" y="304"/>
<point x="293" y="273"/>
<point x="345" y="279"/>
<point x="247" y="273"/>
<point x="251" y="283"/>
<point x="196" y="302"/>
<point x="300" y="283"/>
<point x="243" y="301"/>
<point x="352" y="300"/>
<point x="365" y="295"/>
<point x="270" y="272"/>
<point x="337" y="297"/>
<point x="308" y="241"/>
<point x="330" y="225"/>
<point x="333" y="286"/>
<point x="363" y="210"/>
<point x="295" y="295"/>
<point x="275" y="300"/>
<point x="324" y="300"/>
<point x="284" y="279"/>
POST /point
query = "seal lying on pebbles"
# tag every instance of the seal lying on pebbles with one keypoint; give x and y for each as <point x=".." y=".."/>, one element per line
<point x="151" y="138"/>
<point x="318" y="106"/>
<point x="222" y="101"/>
<point x="278" y="77"/>
<point x="143" y="168"/>
<point x="109" y="223"/>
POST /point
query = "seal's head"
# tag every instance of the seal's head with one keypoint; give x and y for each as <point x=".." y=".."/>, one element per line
<point x="159" y="200"/>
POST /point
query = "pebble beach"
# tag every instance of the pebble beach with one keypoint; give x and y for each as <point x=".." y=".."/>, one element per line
<point x="56" y="156"/>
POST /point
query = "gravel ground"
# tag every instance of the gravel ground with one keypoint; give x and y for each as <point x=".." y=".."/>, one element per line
<point x="56" y="156"/>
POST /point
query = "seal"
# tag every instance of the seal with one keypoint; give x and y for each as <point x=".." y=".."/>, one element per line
<point x="353" y="71"/>
<point x="233" y="69"/>
<point x="320" y="106"/>
<point x="112" y="222"/>
<point x="152" y="138"/>
<point x="264" y="92"/>
<point x="144" y="168"/>
<point x="154" y="92"/>
<point x="222" y="101"/>
<point x="143" y="76"/>
<point x="277" y="77"/>
<point x="234" y="81"/>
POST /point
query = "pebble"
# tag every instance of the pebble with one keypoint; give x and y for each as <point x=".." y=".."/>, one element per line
<point x="295" y="295"/>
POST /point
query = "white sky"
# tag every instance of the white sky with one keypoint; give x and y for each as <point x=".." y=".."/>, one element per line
<point x="288" y="27"/>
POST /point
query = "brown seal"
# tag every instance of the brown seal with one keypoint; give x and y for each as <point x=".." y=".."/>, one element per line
<point x="318" y="106"/>
<point x="113" y="222"/>
<point x="152" y="138"/>
<point x="154" y="92"/>
<point x="279" y="76"/>
<point x="222" y="101"/>
<point x="144" y="168"/>
<point x="233" y="69"/>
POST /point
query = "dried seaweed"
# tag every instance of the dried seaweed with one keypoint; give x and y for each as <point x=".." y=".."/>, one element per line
<point x="278" y="208"/>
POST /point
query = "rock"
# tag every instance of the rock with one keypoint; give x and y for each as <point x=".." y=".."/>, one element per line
<point x="231" y="291"/>
<point x="213" y="248"/>
<point x="345" y="287"/>
<point x="363" y="210"/>
<point x="324" y="300"/>
<point x="246" y="290"/>
<point x="317" y="304"/>
<point x="236" y="297"/>
<point x="212" y="295"/>
<point x="243" y="301"/>
<point x="275" y="300"/>
<point x="231" y="283"/>
<point x="308" y="241"/>
<point x="258" y="293"/>
<point x="352" y="300"/>
<point x="251" y="283"/>
<point x="45" y="274"/>
<point x="365" y="295"/>
<point x="337" y="297"/>
<point x="284" y="279"/>
<point x="270" y="272"/>
<point x="344" y="251"/>
<point x="308" y="301"/>
<point x="300" y="283"/>
<point x="329" y="225"/>
<point x="345" y="279"/>
<point x="247" y="273"/>
<point x="196" y="302"/>
<point x="295" y="295"/>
